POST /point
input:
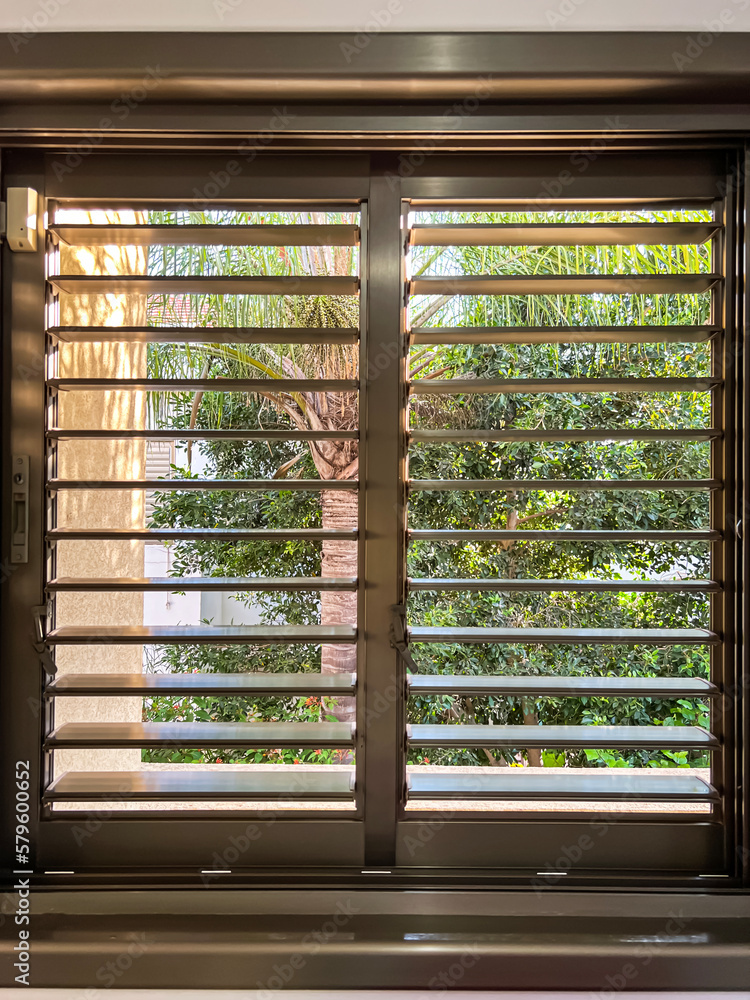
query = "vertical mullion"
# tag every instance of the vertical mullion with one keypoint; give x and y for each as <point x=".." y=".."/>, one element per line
<point x="383" y="423"/>
<point x="742" y="604"/>
<point x="51" y="463"/>
<point x="364" y="340"/>
<point x="722" y="518"/>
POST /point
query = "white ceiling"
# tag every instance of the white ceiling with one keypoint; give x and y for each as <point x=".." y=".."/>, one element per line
<point x="391" y="15"/>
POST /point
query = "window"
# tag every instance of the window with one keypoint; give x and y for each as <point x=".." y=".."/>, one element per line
<point x="388" y="518"/>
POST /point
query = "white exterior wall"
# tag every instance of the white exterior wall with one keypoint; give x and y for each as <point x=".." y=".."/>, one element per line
<point x="386" y="15"/>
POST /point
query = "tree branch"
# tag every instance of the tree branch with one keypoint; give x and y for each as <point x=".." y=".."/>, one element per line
<point x="542" y="513"/>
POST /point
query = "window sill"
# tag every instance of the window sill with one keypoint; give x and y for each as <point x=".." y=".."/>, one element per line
<point x="354" y="939"/>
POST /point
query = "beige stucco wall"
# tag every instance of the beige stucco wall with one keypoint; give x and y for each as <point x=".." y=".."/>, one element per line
<point x="96" y="508"/>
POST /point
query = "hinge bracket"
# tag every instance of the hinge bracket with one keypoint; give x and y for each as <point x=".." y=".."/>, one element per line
<point x="42" y="615"/>
<point x="399" y="635"/>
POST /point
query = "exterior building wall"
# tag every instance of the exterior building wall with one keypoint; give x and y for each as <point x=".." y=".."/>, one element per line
<point x="98" y="508"/>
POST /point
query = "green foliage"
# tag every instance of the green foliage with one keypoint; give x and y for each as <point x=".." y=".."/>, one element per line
<point x="238" y="659"/>
<point x="514" y="461"/>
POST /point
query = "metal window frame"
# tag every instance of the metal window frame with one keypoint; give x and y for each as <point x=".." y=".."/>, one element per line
<point x="709" y="846"/>
<point x="87" y="840"/>
<point x="338" y="840"/>
<point x="676" y="105"/>
<point x="337" y="90"/>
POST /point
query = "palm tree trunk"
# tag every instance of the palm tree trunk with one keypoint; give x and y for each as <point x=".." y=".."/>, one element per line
<point x="531" y="718"/>
<point x="339" y="511"/>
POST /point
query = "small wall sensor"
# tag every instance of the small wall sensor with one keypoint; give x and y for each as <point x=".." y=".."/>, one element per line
<point x="22" y="218"/>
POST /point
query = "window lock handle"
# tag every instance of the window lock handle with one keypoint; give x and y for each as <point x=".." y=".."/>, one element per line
<point x="19" y="541"/>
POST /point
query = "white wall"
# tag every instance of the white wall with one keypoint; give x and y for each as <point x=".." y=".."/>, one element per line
<point x="353" y="15"/>
<point x="41" y="994"/>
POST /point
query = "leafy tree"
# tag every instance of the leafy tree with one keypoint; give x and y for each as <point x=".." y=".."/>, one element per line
<point x="563" y="509"/>
<point x="514" y="509"/>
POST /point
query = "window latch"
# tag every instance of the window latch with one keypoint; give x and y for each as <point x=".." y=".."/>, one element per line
<point x="42" y="616"/>
<point x="19" y="543"/>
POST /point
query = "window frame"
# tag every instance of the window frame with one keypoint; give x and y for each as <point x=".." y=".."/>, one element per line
<point x="347" y="844"/>
<point x="554" y="91"/>
<point x="93" y="839"/>
<point x="551" y="92"/>
<point x="701" y="852"/>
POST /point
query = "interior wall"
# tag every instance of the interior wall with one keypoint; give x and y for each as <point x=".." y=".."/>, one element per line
<point x="386" y="15"/>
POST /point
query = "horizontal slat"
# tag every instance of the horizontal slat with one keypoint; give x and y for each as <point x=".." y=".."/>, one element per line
<point x="564" y="234"/>
<point x="586" y="785"/>
<point x="204" y="384"/>
<point x="483" y="205"/>
<point x="183" y="434"/>
<point x="525" y="535"/>
<point x="519" y="485"/>
<point x="576" y="586"/>
<point x="203" y="335"/>
<point x="173" y="584"/>
<point x="433" y="387"/>
<point x="137" y="635"/>
<point x="569" y="737"/>
<point x="202" y="534"/>
<point x="262" y="205"/>
<point x="550" y="434"/>
<point x="279" y="685"/>
<point x="206" y="786"/>
<point x="207" y="235"/>
<point x="202" y="484"/>
<point x="563" y="334"/>
<point x="139" y="284"/>
<point x="201" y="734"/>
<point x="582" y="636"/>
<point x="563" y="284"/>
<point x="562" y="687"/>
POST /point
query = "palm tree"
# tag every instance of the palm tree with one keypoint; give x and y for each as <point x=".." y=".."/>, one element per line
<point x="323" y="411"/>
<point x="308" y="411"/>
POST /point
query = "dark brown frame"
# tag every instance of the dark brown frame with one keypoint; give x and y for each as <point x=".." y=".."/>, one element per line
<point x="550" y="93"/>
